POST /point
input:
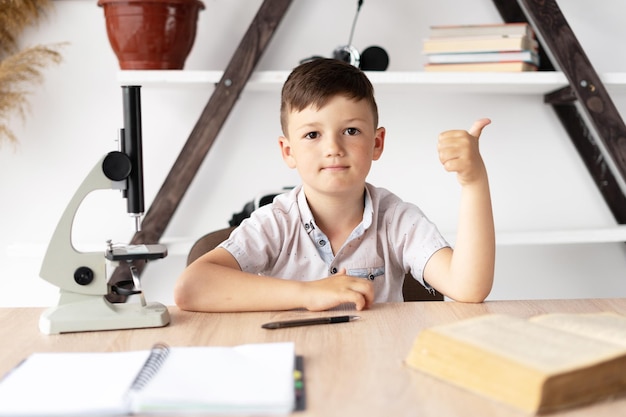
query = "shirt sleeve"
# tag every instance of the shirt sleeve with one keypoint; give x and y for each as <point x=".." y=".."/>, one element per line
<point x="416" y="237"/>
<point x="253" y="242"/>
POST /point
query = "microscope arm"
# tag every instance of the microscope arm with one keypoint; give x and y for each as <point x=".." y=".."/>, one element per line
<point x="63" y="265"/>
<point x="81" y="277"/>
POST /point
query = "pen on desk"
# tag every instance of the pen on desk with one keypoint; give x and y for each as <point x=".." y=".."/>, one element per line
<point x="309" y="322"/>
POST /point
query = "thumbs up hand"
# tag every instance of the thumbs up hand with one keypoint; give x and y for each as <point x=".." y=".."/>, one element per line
<point x="458" y="152"/>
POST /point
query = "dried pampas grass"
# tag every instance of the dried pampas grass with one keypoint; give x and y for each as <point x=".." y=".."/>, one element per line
<point x="19" y="69"/>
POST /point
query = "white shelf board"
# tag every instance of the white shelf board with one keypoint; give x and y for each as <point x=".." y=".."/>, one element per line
<point x="184" y="78"/>
<point x="470" y="82"/>
<point x="168" y="78"/>
<point x="615" y="234"/>
<point x="180" y="246"/>
<point x="614" y="81"/>
<point x="401" y="81"/>
<point x="540" y="82"/>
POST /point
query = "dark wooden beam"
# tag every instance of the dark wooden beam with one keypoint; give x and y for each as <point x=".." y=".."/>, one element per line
<point x="593" y="99"/>
<point x="207" y="128"/>
<point x="564" y="95"/>
<point x="594" y="107"/>
<point x="593" y="158"/>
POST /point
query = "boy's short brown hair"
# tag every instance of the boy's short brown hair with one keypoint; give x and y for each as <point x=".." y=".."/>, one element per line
<point x="314" y="83"/>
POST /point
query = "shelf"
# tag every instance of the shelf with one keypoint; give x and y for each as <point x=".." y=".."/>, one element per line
<point x="615" y="234"/>
<point x="180" y="246"/>
<point x="486" y="83"/>
<point x="401" y="81"/>
<point x="470" y="82"/>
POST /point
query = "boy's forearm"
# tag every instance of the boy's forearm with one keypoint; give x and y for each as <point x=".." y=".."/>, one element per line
<point x="473" y="260"/>
<point x="214" y="288"/>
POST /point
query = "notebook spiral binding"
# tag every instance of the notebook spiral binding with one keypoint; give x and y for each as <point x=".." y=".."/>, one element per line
<point x="158" y="354"/>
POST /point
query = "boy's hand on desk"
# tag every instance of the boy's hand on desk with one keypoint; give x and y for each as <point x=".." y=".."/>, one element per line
<point x="458" y="152"/>
<point x="339" y="289"/>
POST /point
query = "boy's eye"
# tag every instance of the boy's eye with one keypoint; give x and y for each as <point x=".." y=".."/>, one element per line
<point x="311" y="135"/>
<point x="352" y="131"/>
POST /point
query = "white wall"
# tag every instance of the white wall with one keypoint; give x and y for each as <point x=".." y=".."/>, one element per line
<point x="538" y="181"/>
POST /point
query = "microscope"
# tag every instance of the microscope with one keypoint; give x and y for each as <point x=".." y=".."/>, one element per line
<point x="82" y="276"/>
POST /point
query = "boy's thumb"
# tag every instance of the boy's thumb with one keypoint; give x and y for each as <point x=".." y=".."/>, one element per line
<point x="478" y="126"/>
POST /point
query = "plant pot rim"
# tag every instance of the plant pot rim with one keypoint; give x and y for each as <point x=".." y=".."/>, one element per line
<point x="103" y="2"/>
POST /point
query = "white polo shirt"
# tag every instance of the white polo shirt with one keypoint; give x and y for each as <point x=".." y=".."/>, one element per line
<point x="282" y="240"/>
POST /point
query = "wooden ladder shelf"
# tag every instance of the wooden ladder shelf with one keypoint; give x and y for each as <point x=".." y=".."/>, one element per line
<point x="584" y="108"/>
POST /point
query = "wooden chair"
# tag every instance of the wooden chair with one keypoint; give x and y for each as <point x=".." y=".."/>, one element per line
<point x="411" y="290"/>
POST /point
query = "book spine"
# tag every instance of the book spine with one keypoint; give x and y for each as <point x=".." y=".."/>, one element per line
<point x="476" y="57"/>
<point x="158" y="355"/>
<point x="485" y="67"/>
<point x="431" y="46"/>
<point x="508" y="29"/>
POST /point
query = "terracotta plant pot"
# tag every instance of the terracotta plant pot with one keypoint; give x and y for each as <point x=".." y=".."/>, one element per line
<point x="151" y="34"/>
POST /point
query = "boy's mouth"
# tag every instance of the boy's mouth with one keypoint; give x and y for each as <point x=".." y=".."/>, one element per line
<point x="335" y="168"/>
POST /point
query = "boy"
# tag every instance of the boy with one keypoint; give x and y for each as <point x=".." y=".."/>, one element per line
<point x="337" y="239"/>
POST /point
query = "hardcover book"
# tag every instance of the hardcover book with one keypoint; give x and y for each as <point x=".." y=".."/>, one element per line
<point x="474" y="57"/>
<point x="499" y="29"/>
<point x="543" y="364"/>
<point x="482" y="66"/>
<point x="479" y="44"/>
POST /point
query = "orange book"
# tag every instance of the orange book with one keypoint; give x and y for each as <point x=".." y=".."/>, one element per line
<point x="479" y="44"/>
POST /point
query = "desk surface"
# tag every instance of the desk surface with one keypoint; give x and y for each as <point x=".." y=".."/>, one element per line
<point x="351" y="369"/>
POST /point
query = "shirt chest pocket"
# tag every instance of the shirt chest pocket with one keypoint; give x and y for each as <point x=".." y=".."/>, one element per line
<point x="367" y="273"/>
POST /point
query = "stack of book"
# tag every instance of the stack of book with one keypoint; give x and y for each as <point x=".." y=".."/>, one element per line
<point x="504" y="47"/>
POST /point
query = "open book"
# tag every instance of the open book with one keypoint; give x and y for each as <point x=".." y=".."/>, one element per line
<point x="249" y="379"/>
<point x="543" y="364"/>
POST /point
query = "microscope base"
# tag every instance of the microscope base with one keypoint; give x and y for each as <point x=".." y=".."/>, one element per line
<point x="82" y="313"/>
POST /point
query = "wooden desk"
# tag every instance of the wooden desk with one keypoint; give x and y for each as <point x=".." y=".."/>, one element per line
<point x="351" y="369"/>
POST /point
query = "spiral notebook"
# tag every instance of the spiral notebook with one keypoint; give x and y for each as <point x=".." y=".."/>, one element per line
<point x="247" y="379"/>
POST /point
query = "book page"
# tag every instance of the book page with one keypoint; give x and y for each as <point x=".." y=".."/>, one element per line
<point x="609" y="327"/>
<point x="70" y="384"/>
<point x="254" y="378"/>
<point x="536" y="346"/>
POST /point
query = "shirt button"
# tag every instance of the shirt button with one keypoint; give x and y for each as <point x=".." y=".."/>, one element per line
<point x="333" y="270"/>
<point x="307" y="226"/>
<point x="321" y="242"/>
<point x="371" y="277"/>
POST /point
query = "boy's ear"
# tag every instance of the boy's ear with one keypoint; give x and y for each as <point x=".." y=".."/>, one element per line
<point x="379" y="143"/>
<point x="285" y="150"/>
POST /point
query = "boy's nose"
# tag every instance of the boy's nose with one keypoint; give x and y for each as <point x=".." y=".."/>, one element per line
<point x="333" y="145"/>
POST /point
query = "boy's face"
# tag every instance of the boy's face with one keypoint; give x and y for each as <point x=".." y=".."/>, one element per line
<point x="333" y="147"/>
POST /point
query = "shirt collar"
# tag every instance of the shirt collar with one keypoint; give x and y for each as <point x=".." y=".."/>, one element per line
<point x="308" y="222"/>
